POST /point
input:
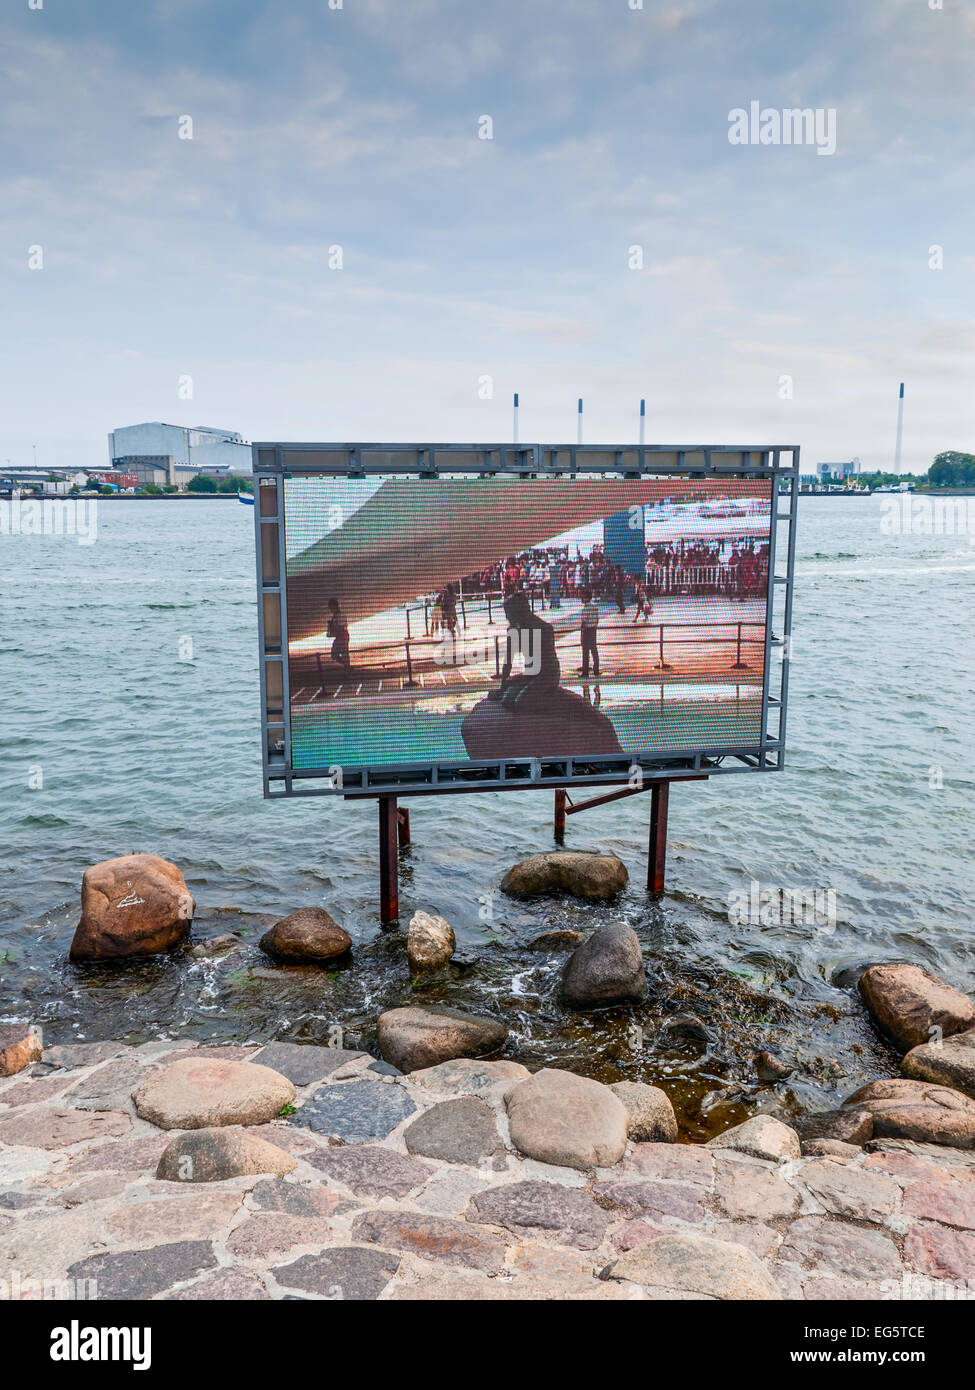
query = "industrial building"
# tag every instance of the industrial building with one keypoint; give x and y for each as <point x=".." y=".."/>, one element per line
<point x="160" y="453"/>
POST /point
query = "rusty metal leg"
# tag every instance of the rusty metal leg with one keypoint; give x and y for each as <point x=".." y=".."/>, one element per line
<point x="560" y="815"/>
<point x="403" y="826"/>
<point x="388" y="865"/>
<point x="657" y="856"/>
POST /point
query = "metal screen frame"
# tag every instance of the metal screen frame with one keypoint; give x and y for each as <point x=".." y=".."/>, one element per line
<point x="274" y="462"/>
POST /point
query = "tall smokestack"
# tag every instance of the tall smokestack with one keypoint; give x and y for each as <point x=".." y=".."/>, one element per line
<point x="643" y="421"/>
<point x="579" y="425"/>
<point x="514" y="429"/>
<point x="900" y="430"/>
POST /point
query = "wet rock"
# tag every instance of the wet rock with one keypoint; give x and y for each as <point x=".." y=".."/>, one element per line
<point x="770" y="1069"/>
<point x="214" y="946"/>
<point x="762" y="1136"/>
<point x="907" y="1002"/>
<point x="456" y="1131"/>
<point x="688" y="1028"/>
<point x="466" y="1075"/>
<point x="948" y="1063"/>
<point x="140" y="1274"/>
<point x="347" y="1273"/>
<point x="565" y="1214"/>
<point x="356" y="1111"/>
<point x="594" y="877"/>
<point x="198" y="1093"/>
<point x="607" y="969"/>
<point x="430" y="941"/>
<point x="371" y="1172"/>
<point x="19" y="1046"/>
<point x="650" y="1115"/>
<point x="697" y="1265"/>
<point x="304" y="1063"/>
<point x="211" y="1155"/>
<point x="309" y="936"/>
<point x="847" y="1126"/>
<point x="570" y="1121"/>
<point x="136" y="905"/>
<point x="555" y="940"/>
<point x="416" y="1037"/>
<point x="919" y="1110"/>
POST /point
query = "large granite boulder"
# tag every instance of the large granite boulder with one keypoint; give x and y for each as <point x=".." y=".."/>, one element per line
<point x="306" y="937"/>
<point x="950" y="1063"/>
<point x="201" y="1092"/>
<point x="919" y="1110"/>
<point x="594" y="877"/>
<point x="212" y="1155"/>
<point x="430" y="941"/>
<point x="907" y="1003"/>
<point x="606" y="969"/>
<point x="136" y="905"/>
<point x="419" y="1036"/>
<point x="558" y="1117"/>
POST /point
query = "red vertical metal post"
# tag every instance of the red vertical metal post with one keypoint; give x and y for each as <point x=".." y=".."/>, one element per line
<point x="657" y="855"/>
<point x="388" y="865"/>
<point x="560" y="814"/>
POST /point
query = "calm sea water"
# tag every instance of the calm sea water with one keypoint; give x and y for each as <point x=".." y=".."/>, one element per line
<point x="139" y="749"/>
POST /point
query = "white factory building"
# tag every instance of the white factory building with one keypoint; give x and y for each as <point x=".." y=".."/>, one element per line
<point x="160" y="453"/>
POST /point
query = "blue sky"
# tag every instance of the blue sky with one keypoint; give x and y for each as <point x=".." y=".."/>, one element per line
<point x="466" y="258"/>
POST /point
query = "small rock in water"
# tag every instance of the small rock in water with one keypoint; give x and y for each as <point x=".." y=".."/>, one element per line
<point x="769" y="1068"/>
<point x="416" y="1037"/>
<point x="211" y="1155"/>
<point x="19" y="1046"/>
<point x="198" y="1093"/>
<point x="568" y="1120"/>
<point x="430" y="941"/>
<point x="650" y="1115"/>
<point x="308" y="936"/>
<point x="907" y="1003"/>
<point x="214" y="946"/>
<point x="763" y="1136"/>
<point x="688" y="1027"/>
<point x="555" y="940"/>
<point x="136" y="905"/>
<point x="607" y="969"/>
<point x="594" y="877"/>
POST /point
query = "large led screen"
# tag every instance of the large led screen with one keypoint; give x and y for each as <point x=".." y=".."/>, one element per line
<point x="452" y="620"/>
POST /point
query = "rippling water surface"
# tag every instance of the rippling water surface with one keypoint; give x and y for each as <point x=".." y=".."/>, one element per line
<point x="141" y="750"/>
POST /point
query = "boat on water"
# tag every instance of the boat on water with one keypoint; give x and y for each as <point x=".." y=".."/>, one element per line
<point x="246" y="497"/>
